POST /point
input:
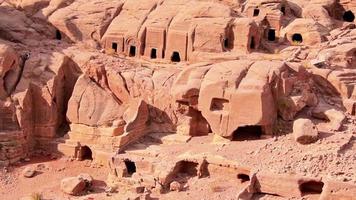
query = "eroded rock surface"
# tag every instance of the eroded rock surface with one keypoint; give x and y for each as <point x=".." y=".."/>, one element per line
<point x="175" y="95"/>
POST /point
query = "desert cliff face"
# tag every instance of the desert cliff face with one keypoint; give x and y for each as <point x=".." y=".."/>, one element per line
<point x="180" y="99"/>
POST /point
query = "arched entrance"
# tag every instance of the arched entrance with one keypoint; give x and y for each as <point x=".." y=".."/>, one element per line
<point x="297" y="38"/>
<point x="175" y="57"/>
<point x="86" y="153"/>
<point x="348" y="16"/>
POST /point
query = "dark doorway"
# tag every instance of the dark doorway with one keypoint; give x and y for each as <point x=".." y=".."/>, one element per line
<point x="175" y="57"/>
<point x="130" y="167"/>
<point x="247" y="133"/>
<point x="153" y="53"/>
<point x="58" y="35"/>
<point x="86" y="153"/>
<point x="226" y="43"/>
<point x="252" y="43"/>
<point x="132" y="52"/>
<point x="114" y="46"/>
<point x="311" y="187"/>
<point x="188" y="168"/>
<point x="297" y="38"/>
<point x="256" y="12"/>
<point x="349" y="16"/>
<point x="271" y="35"/>
<point x="218" y="104"/>
<point x="243" y="177"/>
<point x="283" y="10"/>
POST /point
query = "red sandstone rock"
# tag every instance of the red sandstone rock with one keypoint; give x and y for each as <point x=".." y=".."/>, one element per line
<point x="72" y="185"/>
<point x="304" y="131"/>
<point x="134" y="83"/>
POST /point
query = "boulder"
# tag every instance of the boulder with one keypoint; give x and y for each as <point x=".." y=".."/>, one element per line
<point x="335" y="117"/>
<point x="305" y="131"/>
<point x="73" y="185"/>
<point x="305" y="32"/>
<point x="175" y="186"/>
<point x="87" y="178"/>
<point x="29" y="172"/>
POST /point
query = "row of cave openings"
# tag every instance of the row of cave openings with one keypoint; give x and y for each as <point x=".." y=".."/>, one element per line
<point x="175" y="57"/>
<point x="348" y="16"/>
<point x="190" y="169"/>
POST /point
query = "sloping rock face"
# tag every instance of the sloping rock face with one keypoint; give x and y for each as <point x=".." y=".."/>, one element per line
<point x="91" y="105"/>
<point x="81" y="21"/>
<point x="9" y="65"/>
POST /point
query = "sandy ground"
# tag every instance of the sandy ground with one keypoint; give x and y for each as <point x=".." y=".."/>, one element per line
<point x="47" y="181"/>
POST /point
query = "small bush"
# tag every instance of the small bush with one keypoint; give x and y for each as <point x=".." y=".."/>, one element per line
<point x="36" y="196"/>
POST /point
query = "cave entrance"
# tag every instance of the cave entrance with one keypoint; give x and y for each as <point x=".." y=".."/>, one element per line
<point x="130" y="168"/>
<point x="153" y="53"/>
<point x="58" y="35"/>
<point x="271" y="35"/>
<point x="311" y="187"/>
<point x="187" y="168"/>
<point x="114" y="46"/>
<point x="349" y="16"/>
<point x="132" y="52"/>
<point x="297" y="38"/>
<point x="86" y="153"/>
<point x="226" y="44"/>
<point x="175" y="57"/>
<point x="243" y="177"/>
<point x="283" y="10"/>
<point x="256" y="12"/>
<point x="252" y="43"/>
<point x="247" y="133"/>
<point x="218" y="104"/>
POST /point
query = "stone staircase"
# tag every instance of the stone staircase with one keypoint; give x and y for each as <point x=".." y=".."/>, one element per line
<point x="12" y="141"/>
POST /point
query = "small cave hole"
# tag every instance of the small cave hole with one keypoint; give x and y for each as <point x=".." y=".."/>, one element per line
<point x="311" y="187"/>
<point x="132" y="52"/>
<point x="218" y="104"/>
<point x="58" y="35"/>
<point x="283" y="10"/>
<point x="188" y="168"/>
<point x="256" y="12"/>
<point x="86" y="153"/>
<point x="271" y="35"/>
<point x="153" y="53"/>
<point x="247" y="133"/>
<point x="297" y="38"/>
<point x="226" y="43"/>
<point x="243" y="177"/>
<point x="114" y="46"/>
<point x="252" y="43"/>
<point x="349" y="16"/>
<point x="130" y="167"/>
<point x="175" y="57"/>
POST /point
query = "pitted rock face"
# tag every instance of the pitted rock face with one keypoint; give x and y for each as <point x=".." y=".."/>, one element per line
<point x="9" y="68"/>
<point x="172" y="90"/>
